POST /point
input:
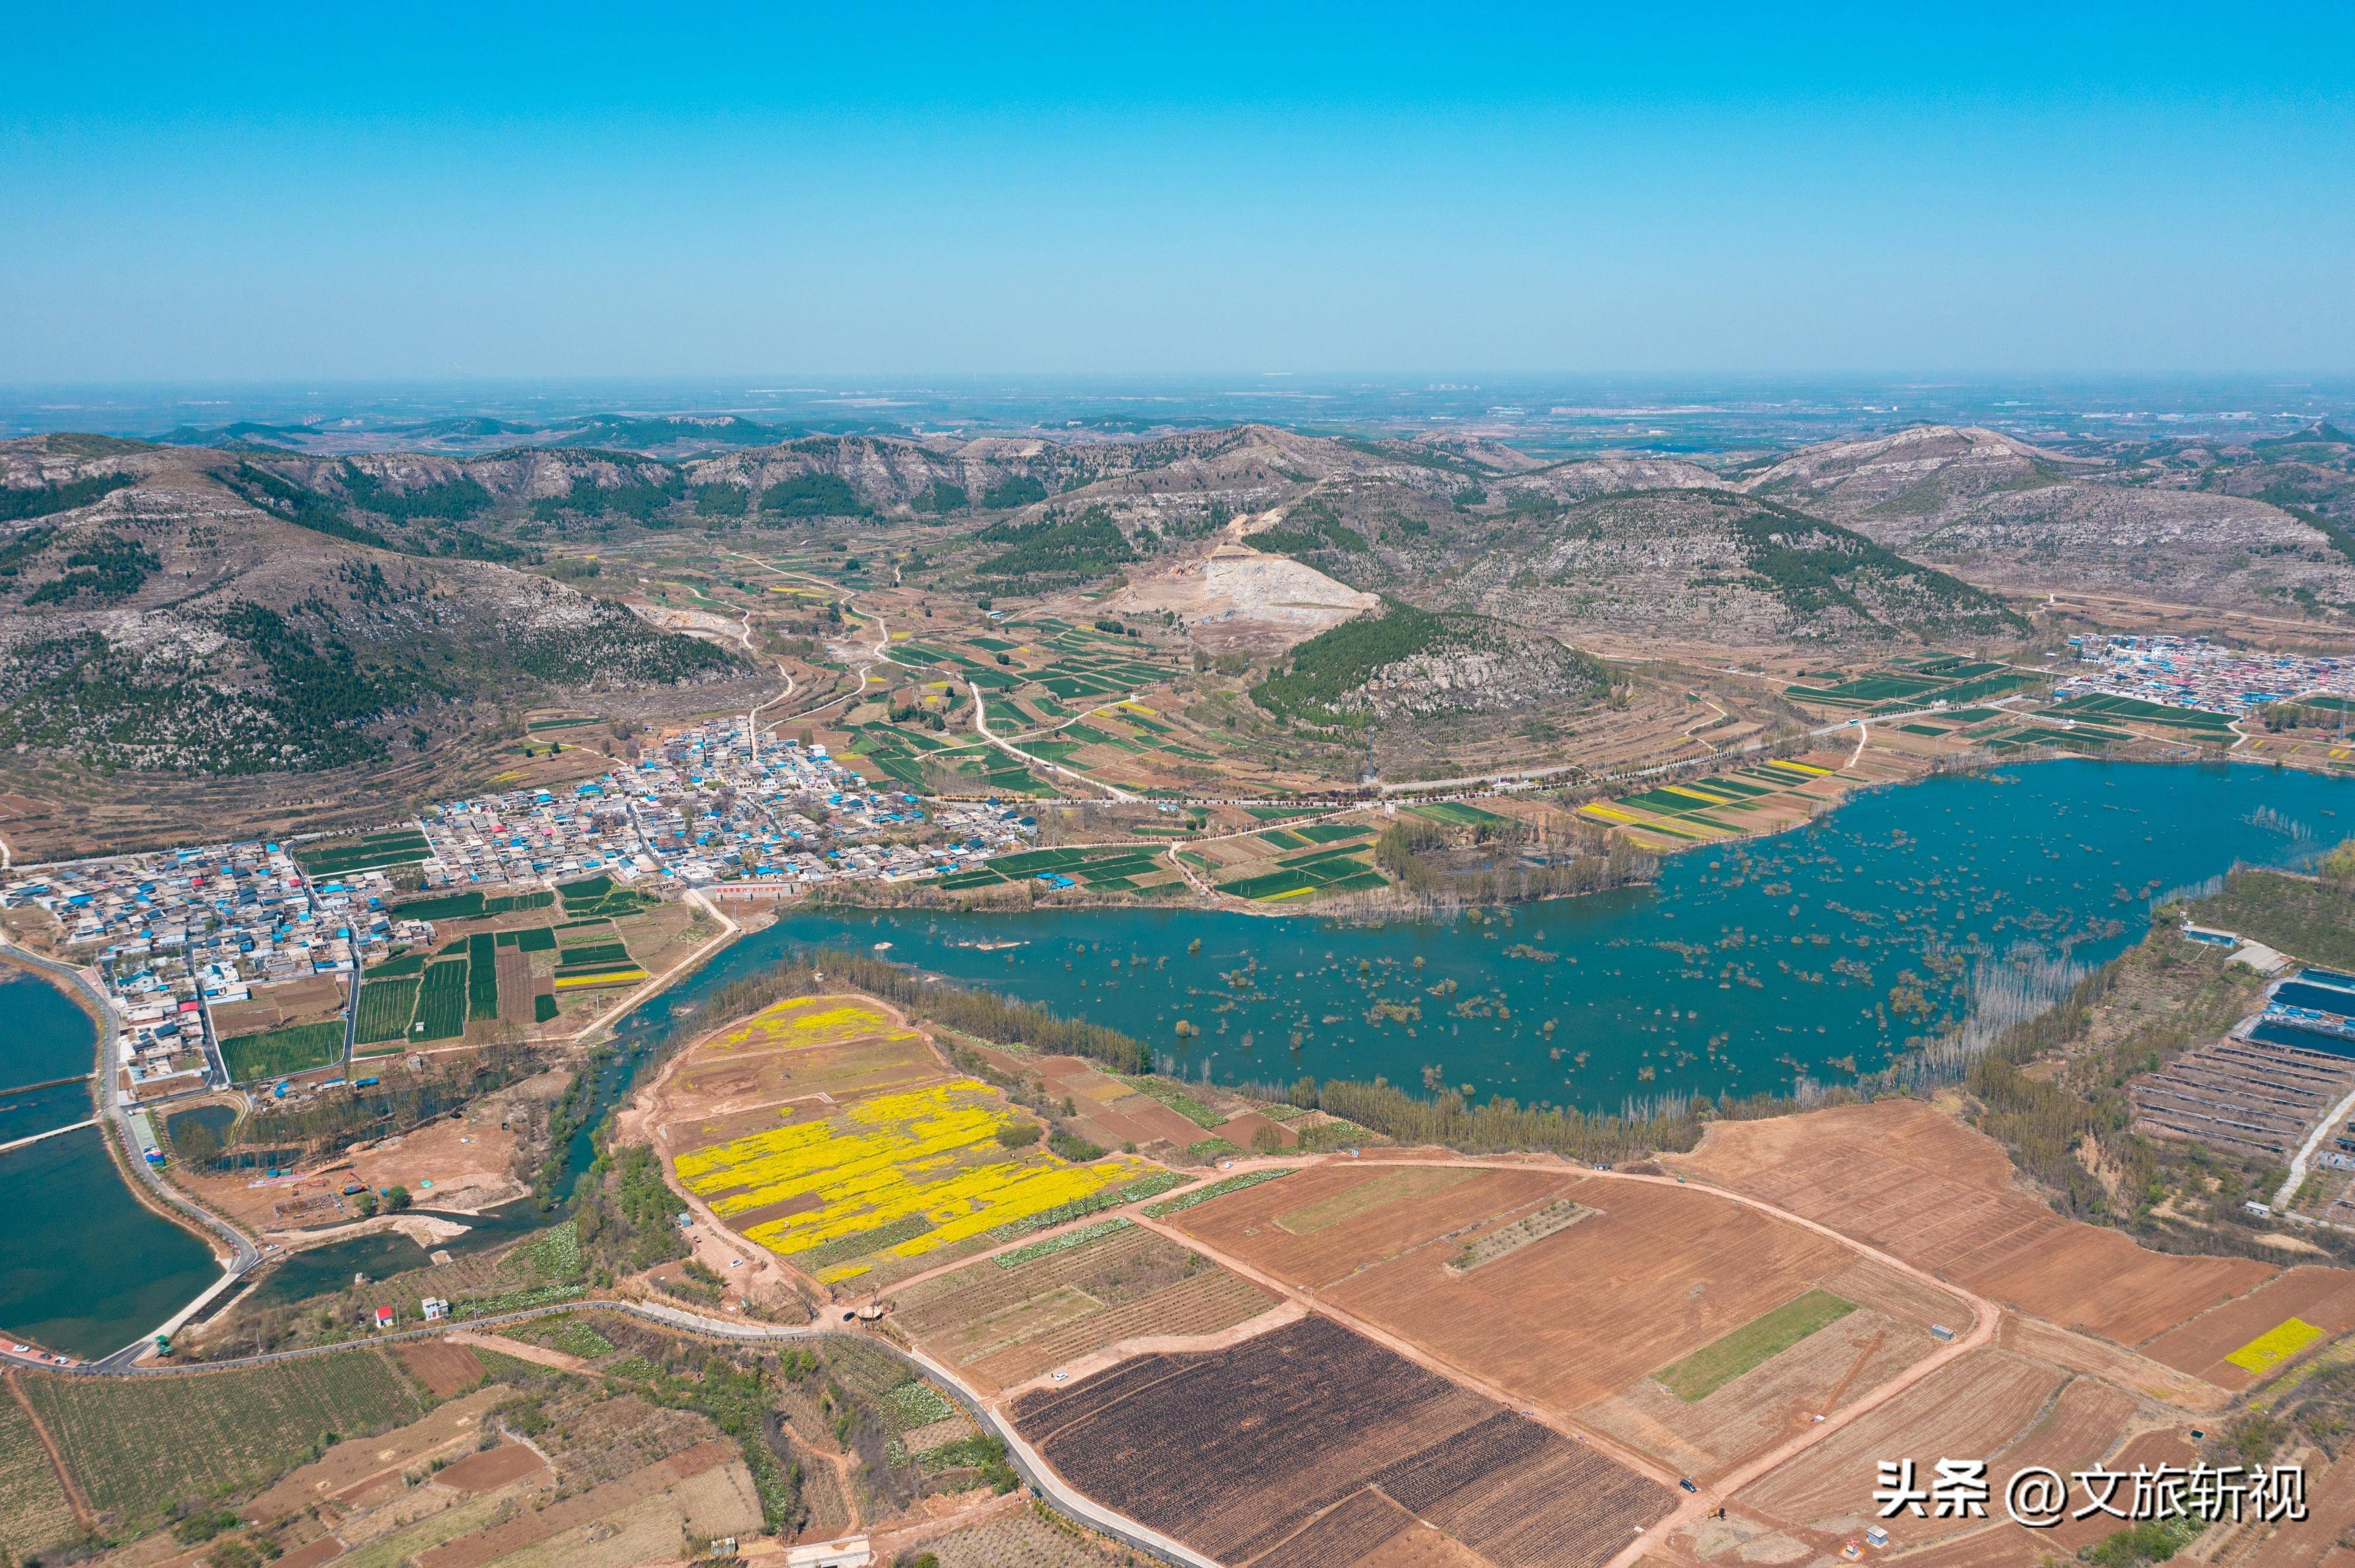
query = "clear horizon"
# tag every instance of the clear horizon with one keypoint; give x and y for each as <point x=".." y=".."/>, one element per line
<point x="405" y="196"/>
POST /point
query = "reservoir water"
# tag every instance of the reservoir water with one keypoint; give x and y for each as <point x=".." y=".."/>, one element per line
<point x="85" y="1267"/>
<point x="1746" y="967"/>
<point x="1819" y="952"/>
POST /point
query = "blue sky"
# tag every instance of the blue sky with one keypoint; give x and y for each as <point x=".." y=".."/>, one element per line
<point x="382" y="192"/>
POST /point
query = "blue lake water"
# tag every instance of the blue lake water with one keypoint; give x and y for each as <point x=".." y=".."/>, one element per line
<point x="1744" y="966"/>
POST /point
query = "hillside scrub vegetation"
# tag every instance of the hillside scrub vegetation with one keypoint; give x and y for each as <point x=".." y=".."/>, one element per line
<point x="20" y="502"/>
<point x="1056" y="550"/>
<point x="2053" y="1091"/>
<point x="2313" y="918"/>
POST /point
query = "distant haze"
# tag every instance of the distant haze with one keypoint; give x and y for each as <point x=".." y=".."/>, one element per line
<point x="362" y="194"/>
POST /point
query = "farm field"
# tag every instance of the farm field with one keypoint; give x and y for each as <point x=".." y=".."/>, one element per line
<point x="516" y="962"/>
<point x="1714" y="1365"/>
<point x="329" y="858"/>
<point x="1110" y="1111"/>
<point x="1653" y="1274"/>
<point x="135" y="1448"/>
<point x="1767" y="1404"/>
<point x="1141" y="869"/>
<point x="354" y="1463"/>
<point x="33" y="1512"/>
<point x="1900" y="1176"/>
<point x="1000" y="1326"/>
<point x="1760" y="797"/>
<point x="1284" y="864"/>
<point x="900" y="757"/>
<point x="1015" y="1539"/>
<point x="1900" y="685"/>
<point x="870" y="1183"/>
<point x="297" y="1048"/>
<point x="2217" y="1347"/>
<point x="1991" y="1402"/>
<point x="1181" y="1443"/>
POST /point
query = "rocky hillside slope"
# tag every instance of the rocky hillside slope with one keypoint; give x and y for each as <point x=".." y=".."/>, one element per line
<point x="2222" y="529"/>
<point x="188" y="619"/>
<point x="1689" y="564"/>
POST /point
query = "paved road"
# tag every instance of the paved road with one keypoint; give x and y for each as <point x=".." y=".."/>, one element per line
<point x="2322" y="1130"/>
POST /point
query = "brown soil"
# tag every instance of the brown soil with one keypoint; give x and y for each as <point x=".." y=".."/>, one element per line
<point x="352" y="1467"/>
<point x="1110" y="1113"/>
<point x="484" y="1545"/>
<point x="1973" y="1407"/>
<point x="1573" y="1318"/>
<point x="490" y="1469"/>
<point x="325" y="1550"/>
<point x="2138" y="1374"/>
<point x="1902" y="1177"/>
<point x="1395" y="1220"/>
<point x="2322" y="1296"/>
<point x="443" y="1367"/>
<point x="1766" y="1405"/>
<point x="1343" y="1414"/>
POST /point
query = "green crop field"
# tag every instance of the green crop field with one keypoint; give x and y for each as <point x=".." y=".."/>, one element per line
<point x="385" y="1009"/>
<point x="34" y="1513"/>
<point x="543" y="1010"/>
<point x="2105" y="706"/>
<point x="471" y="906"/>
<point x="393" y="968"/>
<point x="294" y="1049"/>
<point x="1454" y="813"/>
<point x="137" y="1447"/>
<point x="482" y="976"/>
<point x="596" y="953"/>
<point x="442" y="1005"/>
<point x="333" y="857"/>
<point x="1722" y="1360"/>
<point x="537" y="939"/>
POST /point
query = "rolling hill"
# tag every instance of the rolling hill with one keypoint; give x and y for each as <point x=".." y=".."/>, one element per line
<point x="191" y="621"/>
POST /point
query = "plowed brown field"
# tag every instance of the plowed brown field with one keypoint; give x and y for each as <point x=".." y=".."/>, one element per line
<point x="2322" y="1296"/>
<point x="1655" y="1273"/>
<point x="1402" y="1208"/>
<point x="1967" y="1409"/>
<point x="1231" y="1451"/>
<point x="2079" y="1352"/>
<point x="443" y="1367"/>
<point x="1004" y="1326"/>
<point x="1769" y="1404"/>
<point x="1920" y="1185"/>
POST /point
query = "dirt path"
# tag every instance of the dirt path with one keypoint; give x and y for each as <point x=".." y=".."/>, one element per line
<point x="74" y="1500"/>
<point x="521" y="1350"/>
<point x="981" y="727"/>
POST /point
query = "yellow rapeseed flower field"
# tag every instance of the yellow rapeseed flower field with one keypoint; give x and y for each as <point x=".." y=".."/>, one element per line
<point x="808" y="1021"/>
<point x="924" y="1167"/>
